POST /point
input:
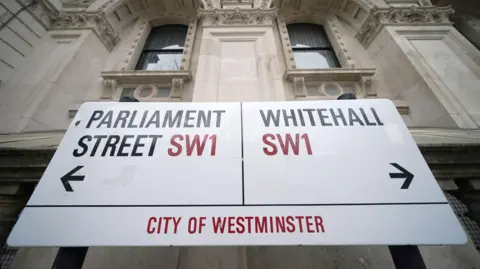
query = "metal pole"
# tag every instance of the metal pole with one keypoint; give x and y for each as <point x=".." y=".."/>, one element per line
<point x="404" y="257"/>
<point x="70" y="258"/>
<point x="407" y="257"/>
<point x="73" y="257"/>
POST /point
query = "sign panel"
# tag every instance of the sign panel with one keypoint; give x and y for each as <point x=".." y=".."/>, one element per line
<point x="271" y="173"/>
<point x="147" y="154"/>
<point x="333" y="152"/>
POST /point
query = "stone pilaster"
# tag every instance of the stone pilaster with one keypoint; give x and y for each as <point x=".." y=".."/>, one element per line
<point x="413" y="38"/>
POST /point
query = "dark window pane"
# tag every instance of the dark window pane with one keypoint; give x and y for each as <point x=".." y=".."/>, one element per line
<point x="127" y="92"/>
<point x="160" y="61"/>
<point x="305" y="35"/>
<point x="166" y="37"/>
<point x="315" y="59"/>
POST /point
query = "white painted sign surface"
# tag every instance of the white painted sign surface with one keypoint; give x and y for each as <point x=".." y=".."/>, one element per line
<point x="315" y="173"/>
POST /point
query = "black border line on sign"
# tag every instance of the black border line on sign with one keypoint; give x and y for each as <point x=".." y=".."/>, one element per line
<point x="243" y="166"/>
<point x="250" y="205"/>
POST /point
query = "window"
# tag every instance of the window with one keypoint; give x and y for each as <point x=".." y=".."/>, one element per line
<point x="311" y="48"/>
<point x="163" y="49"/>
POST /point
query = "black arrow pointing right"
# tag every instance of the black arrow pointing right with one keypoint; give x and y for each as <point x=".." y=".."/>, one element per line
<point x="70" y="177"/>
<point x="405" y="174"/>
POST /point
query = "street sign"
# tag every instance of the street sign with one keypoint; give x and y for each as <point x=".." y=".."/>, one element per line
<point x="272" y="173"/>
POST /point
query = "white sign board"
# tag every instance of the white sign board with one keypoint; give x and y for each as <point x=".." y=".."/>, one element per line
<point x="272" y="173"/>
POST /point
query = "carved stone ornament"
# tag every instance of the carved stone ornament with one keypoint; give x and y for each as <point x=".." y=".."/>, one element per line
<point x="299" y="87"/>
<point x="109" y="86"/>
<point x="237" y="16"/>
<point x="367" y="87"/>
<point x="414" y="15"/>
<point x="177" y="88"/>
<point x="95" y="21"/>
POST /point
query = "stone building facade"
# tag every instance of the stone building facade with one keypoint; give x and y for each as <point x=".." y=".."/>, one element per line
<point x="424" y="55"/>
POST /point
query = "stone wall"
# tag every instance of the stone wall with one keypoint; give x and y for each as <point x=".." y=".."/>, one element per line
<point x="62" y="70"/>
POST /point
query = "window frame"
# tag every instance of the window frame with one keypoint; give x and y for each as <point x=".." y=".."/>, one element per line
<point x="348" y="70"/>
<point x="328" y="48"/>
<point x="115" y="77"/>
<point x="142" y="58"/>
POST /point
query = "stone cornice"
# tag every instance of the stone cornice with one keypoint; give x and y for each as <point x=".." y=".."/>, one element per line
<point x="379" y="17"/>
<point x="95" y="21"/>
<point x="77" y="3"/>
<point x="237" y="16"/>
<point x="362" y="76"/>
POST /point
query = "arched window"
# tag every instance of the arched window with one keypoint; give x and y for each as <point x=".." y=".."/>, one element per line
<point x="311" y="47"/>
<point x="163" y="49"/>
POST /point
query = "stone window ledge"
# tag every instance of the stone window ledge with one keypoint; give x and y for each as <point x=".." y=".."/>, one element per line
<point x="174" y="78"/>
<point x="361" y="77"/>
<point x="330" y="74"/>
<point x="141" y="76"/>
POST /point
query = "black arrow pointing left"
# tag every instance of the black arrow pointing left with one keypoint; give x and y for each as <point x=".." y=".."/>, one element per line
<point x="70" y="177"/>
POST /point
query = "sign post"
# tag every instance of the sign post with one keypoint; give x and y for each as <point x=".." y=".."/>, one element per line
<point x="270" y="173"/>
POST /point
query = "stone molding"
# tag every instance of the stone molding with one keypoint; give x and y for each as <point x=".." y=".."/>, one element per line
<point x="232" y="4"/>
<point x="177" y="88"/>
<point x="141" y="78"/>
<point x="148" y="93"/>
<point x="286" y="44"/>
<point x="188" y="47"/>
<point x="237" y="16"/>
<point x="299" y="87"/>
<point x="361" y="76"/>
<point x="331" y="74"/>
<point x="109" y="87"/>
<point x="146" y="77"/>
<point x="411" y="16"/>
<point x="77" y="3"/>
<point x="336" y="35"/>
<point x="95" y="21"/>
